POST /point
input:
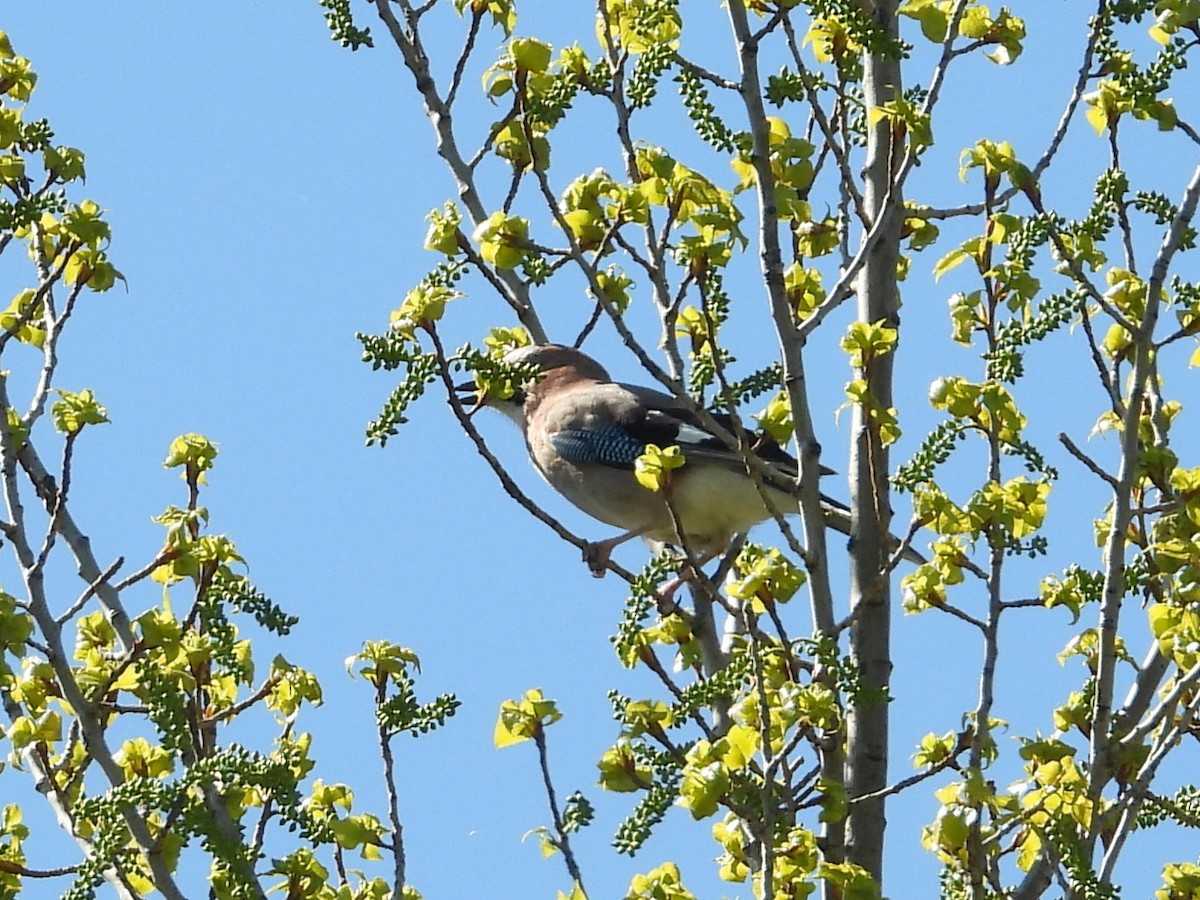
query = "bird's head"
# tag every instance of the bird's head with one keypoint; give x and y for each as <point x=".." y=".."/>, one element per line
<point x="546" y="358"/>
<point x="521" y="370"/>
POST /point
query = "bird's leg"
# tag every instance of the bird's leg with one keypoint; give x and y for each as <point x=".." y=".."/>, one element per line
<point x="597" y="554"/>
<point x="691" y="571"/>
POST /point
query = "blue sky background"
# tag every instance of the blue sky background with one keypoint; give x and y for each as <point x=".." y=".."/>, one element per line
<point x="267" y="191"/>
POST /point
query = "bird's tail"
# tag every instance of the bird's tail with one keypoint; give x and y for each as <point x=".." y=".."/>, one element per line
<point x="837" y="517"/>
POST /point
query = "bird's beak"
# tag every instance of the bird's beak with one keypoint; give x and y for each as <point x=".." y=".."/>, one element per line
<point x="479" y="398"/>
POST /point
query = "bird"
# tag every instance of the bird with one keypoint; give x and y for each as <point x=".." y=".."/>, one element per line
<point x="584" y="433"/>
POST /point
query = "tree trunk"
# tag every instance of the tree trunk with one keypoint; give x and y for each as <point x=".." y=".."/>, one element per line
<point x="870" y="585"/>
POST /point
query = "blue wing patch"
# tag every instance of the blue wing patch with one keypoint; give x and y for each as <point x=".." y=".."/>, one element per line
<point x="609" y="446"/>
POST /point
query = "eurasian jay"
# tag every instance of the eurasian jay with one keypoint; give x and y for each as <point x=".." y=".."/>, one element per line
<point x="584" y="433"/>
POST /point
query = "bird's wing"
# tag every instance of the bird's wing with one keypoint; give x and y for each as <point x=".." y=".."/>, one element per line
<point x="668" y="415"/>
<point x="611" y="424"/>
<point x="603" y="423"/>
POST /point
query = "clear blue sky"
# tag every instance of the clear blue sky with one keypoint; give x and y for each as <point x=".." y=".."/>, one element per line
<point x="267" y="192"/>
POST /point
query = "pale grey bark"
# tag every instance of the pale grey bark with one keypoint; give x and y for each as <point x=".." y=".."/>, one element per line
<point x="870" y="586"/>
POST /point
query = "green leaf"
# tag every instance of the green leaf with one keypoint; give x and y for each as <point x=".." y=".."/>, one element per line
<point x="933" y="16"/>
<point x="866" y="342"/>
<point x="503" y="240"/>
<point x="503" y="12"/>
<point x="637" y="26"/>
<point x="620" y="771"/>
<point x="10" y="127"/>
<point x="530" y="54"/>
<point x="653" y="468"/>
<point x="522" y="720"/>
<point x="662" y="883"/>
<point x="705" y="780"/>
<point x="23" y="319"/>
<point x="73" y="411"/>
<point x="381" y="661"/>
<point x="423" y="306"/>
<point x="194" y="452"/>
<point x="17" y="77"/>
<point x="934" y="749"/>
<point x="443" y="234"/>
<point x="138" y="758"/>
<point x="765" y="575"/>
<point x="906" y="119"/>
<point x="12" y="169"/>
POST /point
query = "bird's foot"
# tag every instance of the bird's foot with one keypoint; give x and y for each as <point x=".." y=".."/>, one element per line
<point x="691" y="574"/>
<point x="596" y="555"/>
<point x="664" y="599"/>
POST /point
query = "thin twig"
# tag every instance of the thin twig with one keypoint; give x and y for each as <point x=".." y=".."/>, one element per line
<point x="90" y="591"/>
<point x="506" y="481"/>
<point x="562" y="840"/>
<point x="393" y="799"/>
<point x="1091" y="464"/>
<point x="950" y="762"/>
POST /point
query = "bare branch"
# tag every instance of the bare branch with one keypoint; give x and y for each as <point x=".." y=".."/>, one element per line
<point x="408" y="42"/>
<point x="1091" y="464"/>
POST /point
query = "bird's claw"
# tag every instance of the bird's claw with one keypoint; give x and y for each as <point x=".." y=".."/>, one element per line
<point x="596" y="556"/>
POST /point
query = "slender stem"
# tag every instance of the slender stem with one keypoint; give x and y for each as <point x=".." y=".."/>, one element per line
<point x="766" y="828"/>
<point x="510" y="486"/>
<point x="1131" y="802"/>
<point x="408" y="42"/>
<point x="562" y="839"/>
<point x="1100" y="767"/>
<point x="393" y="797"/>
